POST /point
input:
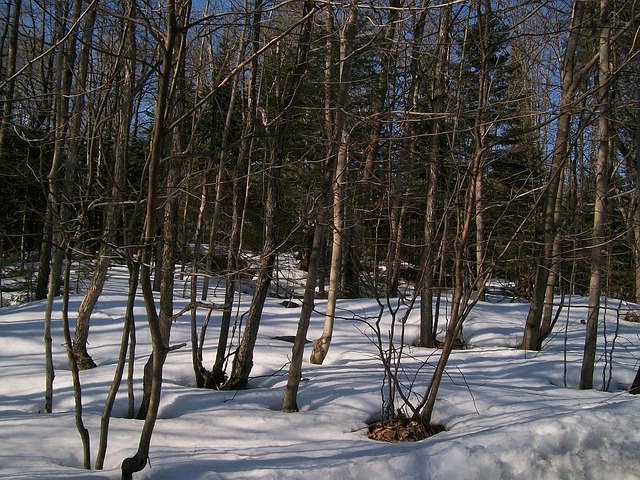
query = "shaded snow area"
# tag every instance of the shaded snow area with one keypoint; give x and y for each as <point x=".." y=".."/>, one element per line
<point x="508" y="413"/>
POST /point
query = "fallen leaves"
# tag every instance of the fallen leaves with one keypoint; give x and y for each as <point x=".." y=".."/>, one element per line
<point x="402" y="430"/>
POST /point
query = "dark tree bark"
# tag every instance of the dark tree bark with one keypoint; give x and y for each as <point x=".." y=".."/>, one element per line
<point x="533" y="334"/>
<point x="112" y="214"/>
<point x="289" y="403"/>
<point x="9" y="71"/>
<point x="238" y="201"/>
<point x="427" y="324"/>
<point x="243" y="360"/>
<point x="636" y="228"/>
<point x="159" y="325"/>
<point x="600" y="203"/>
<point x="635" y="386"/>
<point x="59" y="188"/>
<point x="73" y="366"/>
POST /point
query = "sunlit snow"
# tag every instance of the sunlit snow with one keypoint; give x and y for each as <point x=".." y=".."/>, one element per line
<point x="508" y="413"/>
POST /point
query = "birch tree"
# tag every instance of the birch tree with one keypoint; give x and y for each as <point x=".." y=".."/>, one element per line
<point x="601" y="194"/>
<point x="347" y="36"/>
<point x="570" y="79"/>
<point x="338" y="129"/>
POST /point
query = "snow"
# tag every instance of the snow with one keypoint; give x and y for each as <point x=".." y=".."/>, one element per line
<point x="508" y="413"/>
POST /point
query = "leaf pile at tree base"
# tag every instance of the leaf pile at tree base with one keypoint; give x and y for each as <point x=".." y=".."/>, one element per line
<point x="402" y="430"/>
<point x="633" y="316"/>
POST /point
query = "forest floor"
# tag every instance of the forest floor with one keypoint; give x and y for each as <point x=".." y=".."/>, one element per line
<point x="507" y="413"/>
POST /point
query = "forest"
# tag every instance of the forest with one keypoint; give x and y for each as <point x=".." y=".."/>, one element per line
<point x="404" y="151"/>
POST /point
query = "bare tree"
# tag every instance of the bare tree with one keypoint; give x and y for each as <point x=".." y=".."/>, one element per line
<point x="75" y="374"/>
<point x="534" y="334"/>
<point x="347" y="36"/>
<point x="224" y="154"/>
<point x="173" y="45"/>
<point x="10" y="70"/>
<point x="81" y="335"/>
<point x="277" y="130"/>
<point x="636" y="228"/>
<point x="59" y="187"/>
<point x="322" y="344"/>
<point x="481" y="125"/>
<point x="602" y="192"/>
<point x="386" y="55"/>
<point x="462" y="289"/>
<point x="427" y="330"/>
<point x="240" y="176"/>
<point x="338" y="129"/>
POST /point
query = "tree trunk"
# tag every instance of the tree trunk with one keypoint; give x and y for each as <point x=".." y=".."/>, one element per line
<point x="61" y="186"/>
<point x="9" y="72"/>
<point x="56" y="208"/>
<point x="427" y="324"/>
<point x="238" y="202"/>
<point x="460" y="306"/>
<point x="375" y="123"/>
<point x="599" y="212"/>
<point x="321" y="345"/>
<point x="224" y="154"/>
<point x="635" y="386"/>
<point x="636" y="224"/>
<point x="44" y="256"/>
<point x="243" y="360"/>
<point x="112" y="213"/>
<point x="127" y="329"/>
<point x="134" y="275"/>
<point x="347" y="36"/>
<point x="159" y="326"/>
<point x="480" y="130"/>
<point x="48" y="351"/>
<point x="531" y="336"/>
<point x="397" y="215"/>
<point x="73" y="366"/>
<point x="289" y="403"/>
<point x="554" y="273"/>
<point x="339" y="136"/>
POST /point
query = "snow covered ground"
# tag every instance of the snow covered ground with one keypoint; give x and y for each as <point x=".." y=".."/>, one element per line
<point x="508" y="413"/>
